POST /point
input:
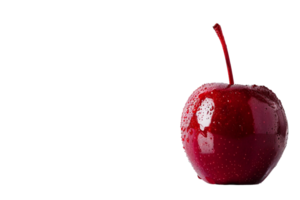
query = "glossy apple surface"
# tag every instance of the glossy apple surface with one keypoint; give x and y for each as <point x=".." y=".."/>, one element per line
<point x="233" y="134"/>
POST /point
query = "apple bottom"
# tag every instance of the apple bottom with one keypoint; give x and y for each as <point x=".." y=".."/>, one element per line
<point x="222" y="160"/>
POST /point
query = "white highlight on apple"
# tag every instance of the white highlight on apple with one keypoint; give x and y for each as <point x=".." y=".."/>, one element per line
<point x="205" y="112"/>
<point x="204" y="116"/>
<point x="206" y="144"/>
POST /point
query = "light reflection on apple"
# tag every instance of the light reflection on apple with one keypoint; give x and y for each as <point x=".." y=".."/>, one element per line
<point x="204" y="116"/>
<point x="205" y="112"/>
<point x="206" y="144"/>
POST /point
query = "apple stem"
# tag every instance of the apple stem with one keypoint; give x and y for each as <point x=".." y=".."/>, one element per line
<point x="219" y="32"/>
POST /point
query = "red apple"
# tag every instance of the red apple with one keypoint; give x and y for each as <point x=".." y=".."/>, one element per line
<point x="233" y="134"/>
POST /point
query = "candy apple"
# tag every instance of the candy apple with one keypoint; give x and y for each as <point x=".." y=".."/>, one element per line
<point x="233" y="134"/>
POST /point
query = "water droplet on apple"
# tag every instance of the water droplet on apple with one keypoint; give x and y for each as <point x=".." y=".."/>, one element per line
<point x="198" y="178"/>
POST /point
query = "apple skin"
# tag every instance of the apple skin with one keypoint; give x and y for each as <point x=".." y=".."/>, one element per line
<point x="233" y="134"/>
